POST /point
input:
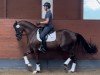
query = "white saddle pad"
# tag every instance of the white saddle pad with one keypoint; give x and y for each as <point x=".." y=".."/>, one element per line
<point x="50" y="37"/>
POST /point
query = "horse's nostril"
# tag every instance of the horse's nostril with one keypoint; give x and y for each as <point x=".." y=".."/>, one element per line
<point x="17" y="35"/>
<point x="18" y="39"/>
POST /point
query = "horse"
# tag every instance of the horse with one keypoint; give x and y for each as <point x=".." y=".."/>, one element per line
<point x="66" y="41"/>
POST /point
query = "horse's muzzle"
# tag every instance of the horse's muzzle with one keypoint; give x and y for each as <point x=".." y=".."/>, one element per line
<point x="19" y="37"/>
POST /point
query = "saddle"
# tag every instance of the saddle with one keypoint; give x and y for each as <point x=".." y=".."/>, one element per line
<point x="51" y="36"/>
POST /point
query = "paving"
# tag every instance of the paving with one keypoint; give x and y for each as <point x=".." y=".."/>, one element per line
<point x="50" y="72"/>
<point x="49" y="67"/>
<point x="47" y="64"/>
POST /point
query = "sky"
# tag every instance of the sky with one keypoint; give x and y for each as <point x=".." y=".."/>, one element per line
<point x="91" y="10"/>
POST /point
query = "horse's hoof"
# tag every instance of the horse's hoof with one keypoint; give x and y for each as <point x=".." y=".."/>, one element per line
<point x="30" y="68"/>
<point x="65" y="67"/>
<point x="70" y="71"/>
<point x="35" y="72"/>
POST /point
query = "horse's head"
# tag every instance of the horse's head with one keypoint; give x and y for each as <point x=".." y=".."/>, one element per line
<point x="19" y="30"/>
<point x="21" y="26"/>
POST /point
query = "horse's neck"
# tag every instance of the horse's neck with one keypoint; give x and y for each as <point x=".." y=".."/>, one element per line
<point x="29" y="29"/>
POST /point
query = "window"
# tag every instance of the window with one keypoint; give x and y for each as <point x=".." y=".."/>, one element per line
<point x="91" y="10"/>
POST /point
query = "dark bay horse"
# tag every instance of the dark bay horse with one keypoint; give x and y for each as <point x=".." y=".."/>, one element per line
<point x="66" y="40"/>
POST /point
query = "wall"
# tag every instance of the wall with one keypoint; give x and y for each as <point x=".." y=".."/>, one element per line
<point x="2" y="9"/>
<point x="31" y="9"/>
<point x="67" y="9"/>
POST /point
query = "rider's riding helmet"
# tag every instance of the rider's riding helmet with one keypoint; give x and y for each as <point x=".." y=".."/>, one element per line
<point x="47" y="4"/>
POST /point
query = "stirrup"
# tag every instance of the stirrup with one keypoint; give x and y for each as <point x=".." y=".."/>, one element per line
<point x="42" y="49"/>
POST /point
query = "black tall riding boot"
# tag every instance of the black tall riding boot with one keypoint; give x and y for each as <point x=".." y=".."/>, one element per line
<point x="43" y="46"/>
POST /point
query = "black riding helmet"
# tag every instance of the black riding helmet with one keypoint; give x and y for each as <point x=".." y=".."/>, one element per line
<point x="47" y="4"/>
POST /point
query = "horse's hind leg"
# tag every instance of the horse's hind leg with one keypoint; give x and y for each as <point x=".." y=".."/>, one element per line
<point x="73" y="67"/>
<point x="71" y="58"/>
<point x="66" y="63"/>
<point x="74" y="59"/>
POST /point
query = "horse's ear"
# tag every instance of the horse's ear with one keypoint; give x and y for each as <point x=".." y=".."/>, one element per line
<point x="15" y="24"/>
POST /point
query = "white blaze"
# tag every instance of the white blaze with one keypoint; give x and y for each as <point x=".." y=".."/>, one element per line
<point x="17" y="26"/>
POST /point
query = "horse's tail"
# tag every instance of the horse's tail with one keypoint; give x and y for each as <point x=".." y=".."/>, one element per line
<point x="89" y="47"/>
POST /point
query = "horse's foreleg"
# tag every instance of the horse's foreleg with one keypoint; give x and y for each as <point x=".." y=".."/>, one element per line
<point x="37" y="63"/>
<point x="73" y="67"/>
<point x="28" y="64"/>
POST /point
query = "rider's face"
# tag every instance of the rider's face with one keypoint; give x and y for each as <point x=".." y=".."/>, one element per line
<point x="45" y="8"/>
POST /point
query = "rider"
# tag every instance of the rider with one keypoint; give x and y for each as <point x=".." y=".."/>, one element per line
<point x="47" y="25"/>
